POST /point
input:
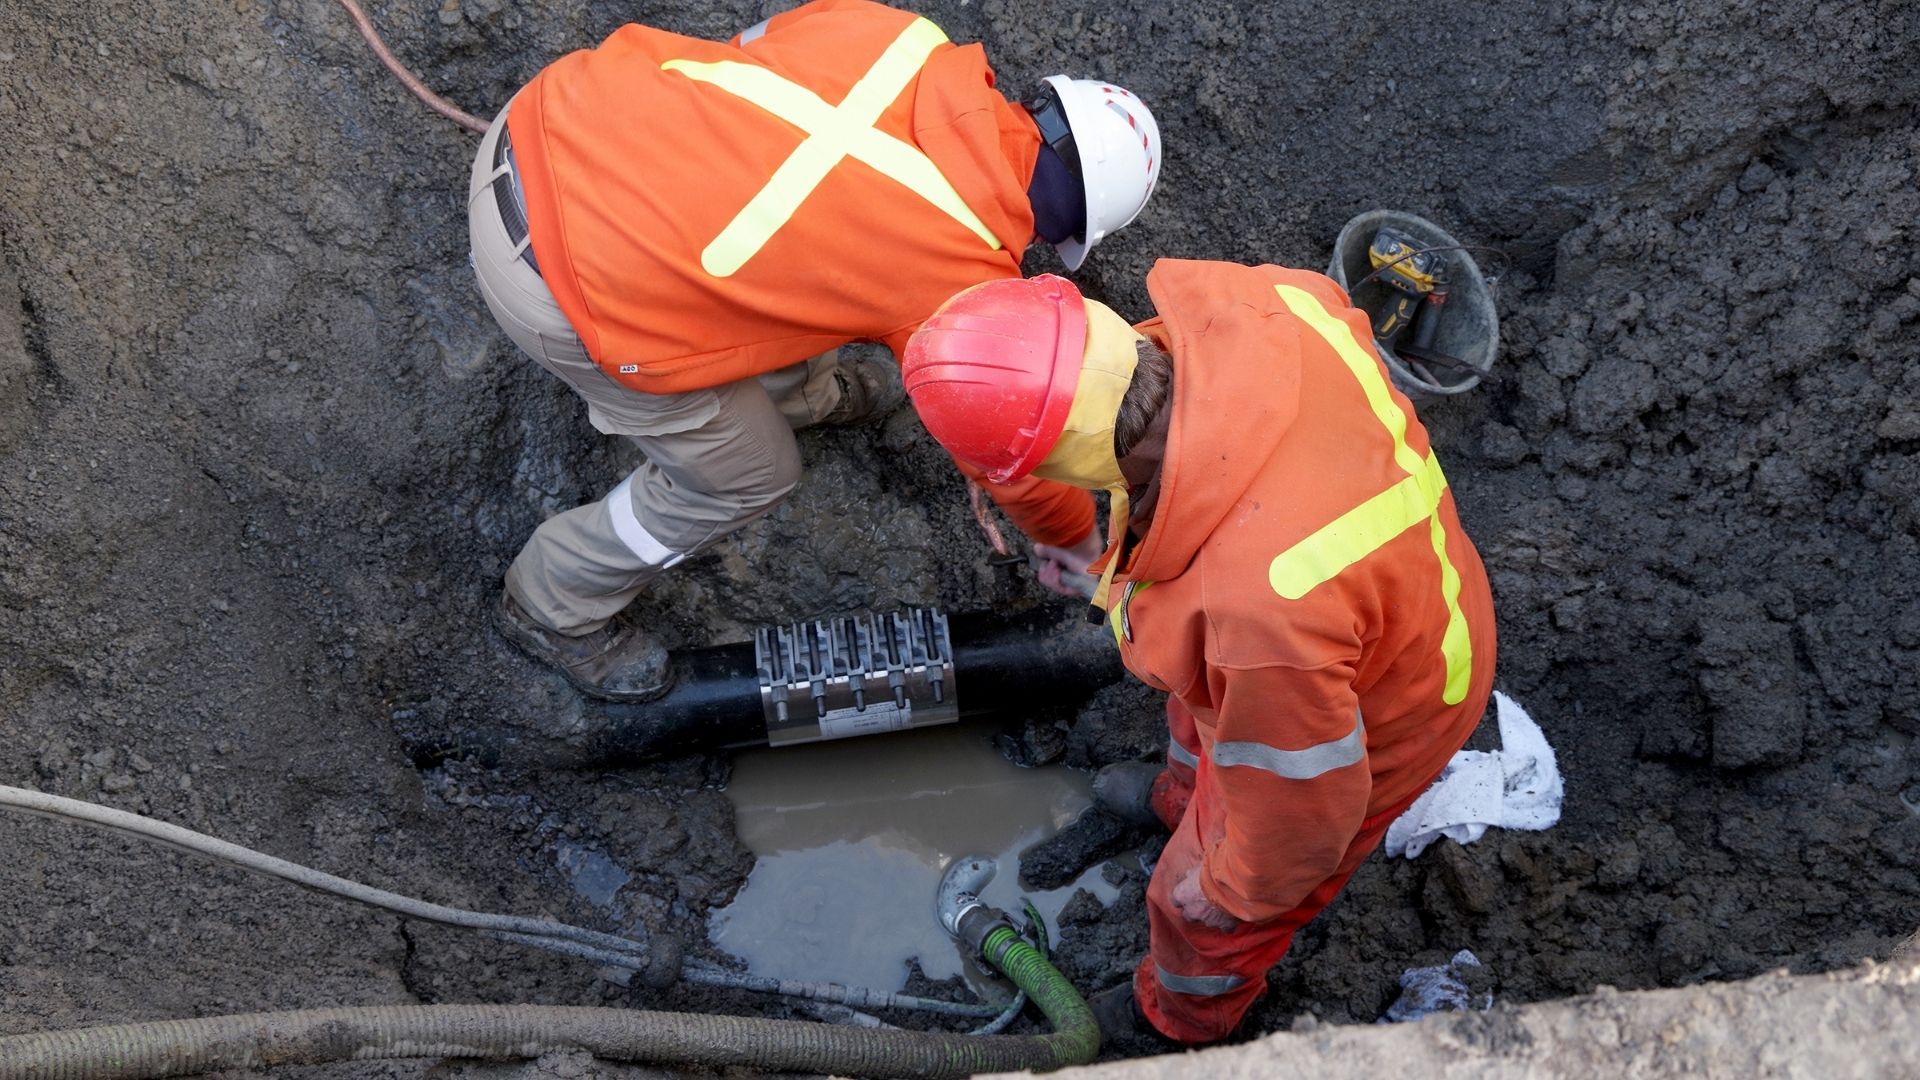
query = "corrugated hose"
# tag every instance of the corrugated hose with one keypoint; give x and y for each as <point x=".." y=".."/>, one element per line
<point x="147" y="1051"/>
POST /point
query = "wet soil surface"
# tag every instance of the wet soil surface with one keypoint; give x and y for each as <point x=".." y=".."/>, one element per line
<point x="263" y="459"/>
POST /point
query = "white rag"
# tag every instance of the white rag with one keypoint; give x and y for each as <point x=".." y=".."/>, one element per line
<point x="1515" y="787"/>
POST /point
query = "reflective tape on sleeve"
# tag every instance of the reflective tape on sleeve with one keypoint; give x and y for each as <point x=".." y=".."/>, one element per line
<point x="1181" y="755"/>
<point x="1305" y="764"/>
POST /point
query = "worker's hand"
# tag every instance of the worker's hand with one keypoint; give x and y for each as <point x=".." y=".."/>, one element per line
<point x="1191" y="899"/>
<point x="1056" y="563"/>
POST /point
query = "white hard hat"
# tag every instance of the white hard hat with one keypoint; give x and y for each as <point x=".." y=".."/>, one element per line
<point x="1119" y="157"/>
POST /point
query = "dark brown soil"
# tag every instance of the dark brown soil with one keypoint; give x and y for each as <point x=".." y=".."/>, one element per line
<point x="263" y="458"/>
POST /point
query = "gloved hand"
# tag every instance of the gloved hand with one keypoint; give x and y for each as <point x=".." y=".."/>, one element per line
<point x="1191" y="899"/>
<point x="1064" y="569"/>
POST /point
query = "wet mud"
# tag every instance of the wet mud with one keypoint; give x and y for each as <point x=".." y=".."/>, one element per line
<point x="1092" y="838"/>
<point x="850" y="845"/>
<point x="263" y="459"/>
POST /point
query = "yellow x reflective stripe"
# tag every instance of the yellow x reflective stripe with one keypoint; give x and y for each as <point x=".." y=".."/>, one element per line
<point x="1366" y="528"/>
<point x="834" y="132"/>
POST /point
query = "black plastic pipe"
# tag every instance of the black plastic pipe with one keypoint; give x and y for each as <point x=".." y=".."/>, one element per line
<point x="1004" y="665"/>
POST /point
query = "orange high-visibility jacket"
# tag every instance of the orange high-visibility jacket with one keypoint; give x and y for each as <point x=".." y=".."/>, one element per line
<point x="706" y="212"/>
<point x="1304" y="587"/>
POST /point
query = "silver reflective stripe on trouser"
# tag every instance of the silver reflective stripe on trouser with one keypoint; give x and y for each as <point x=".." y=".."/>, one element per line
<point x="633" y="534"/>
<point x="1181" y="755"/>
<point x="1198" y="985"/>
<point x="1297" y="764"/>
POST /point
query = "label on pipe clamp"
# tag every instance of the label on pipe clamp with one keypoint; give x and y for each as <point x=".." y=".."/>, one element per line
<point x="873" y="720"/>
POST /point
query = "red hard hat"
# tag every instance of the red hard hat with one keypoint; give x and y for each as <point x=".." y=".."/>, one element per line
<point x="993" y="372"/>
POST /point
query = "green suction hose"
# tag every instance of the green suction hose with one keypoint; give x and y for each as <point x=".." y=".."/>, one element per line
<point x="1076" y="1035"/>
<point x="321" y="1036"/>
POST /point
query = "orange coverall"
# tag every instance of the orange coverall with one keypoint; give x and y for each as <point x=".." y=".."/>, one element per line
<point x="706" y="212"/>
<point x="1305" y="595"/>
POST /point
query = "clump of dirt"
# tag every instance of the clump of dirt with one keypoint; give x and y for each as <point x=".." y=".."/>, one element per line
<point x="1095" y="836"/>
<point x="263" y="459"/>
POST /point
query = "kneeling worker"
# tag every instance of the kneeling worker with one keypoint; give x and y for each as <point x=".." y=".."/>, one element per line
<point x="1285" y="561"/>
<point x="684" y="231"/>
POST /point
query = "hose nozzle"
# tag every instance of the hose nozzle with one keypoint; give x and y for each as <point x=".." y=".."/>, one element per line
<point x="960" y="889"/>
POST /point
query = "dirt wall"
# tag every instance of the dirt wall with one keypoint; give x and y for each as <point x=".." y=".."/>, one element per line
<point x="1852" y="1023"/>
<point x="263" y="459"/>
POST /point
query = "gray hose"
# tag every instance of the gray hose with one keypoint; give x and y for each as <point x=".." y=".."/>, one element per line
<point x="174" y="836"/>
<point x="659" y="965"/>
<point x="1007" y="1016"/>
<point x="855" y="996"/>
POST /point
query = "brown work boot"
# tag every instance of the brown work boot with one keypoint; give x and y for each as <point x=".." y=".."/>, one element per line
<point x="616" y="662"/>
<point x="1126" y="791"/>
<point x="867" y="391"/>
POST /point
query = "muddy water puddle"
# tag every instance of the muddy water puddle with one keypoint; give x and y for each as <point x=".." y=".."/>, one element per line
<point x="851" y="838"/>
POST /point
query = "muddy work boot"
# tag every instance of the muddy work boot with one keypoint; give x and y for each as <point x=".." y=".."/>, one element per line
<point x="1126" y="791"/>
<point x="867" y="392"/>
<point x="1123" y="1027"/>
<point x="616" y="662"/>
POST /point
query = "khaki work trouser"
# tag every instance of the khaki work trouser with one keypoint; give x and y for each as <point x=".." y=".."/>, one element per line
<point x="716" y="459"/>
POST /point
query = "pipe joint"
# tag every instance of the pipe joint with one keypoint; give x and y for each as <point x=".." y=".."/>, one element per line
<point x="855" y="675"/>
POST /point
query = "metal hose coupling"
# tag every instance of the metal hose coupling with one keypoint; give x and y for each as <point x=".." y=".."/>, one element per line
<point x="962" y="913"/>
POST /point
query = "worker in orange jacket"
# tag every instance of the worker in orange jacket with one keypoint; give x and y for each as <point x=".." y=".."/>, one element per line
<point x="1285" y="562"/>
<point x="685" y="231"/>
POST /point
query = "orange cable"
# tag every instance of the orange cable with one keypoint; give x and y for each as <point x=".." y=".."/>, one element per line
<point x="434" y="101"/>
<point x="977" y="496"/>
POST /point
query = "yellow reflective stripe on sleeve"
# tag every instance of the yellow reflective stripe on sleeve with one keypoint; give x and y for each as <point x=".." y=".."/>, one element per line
<point x="1366" y="528"/>
<point x="834" y="133"/>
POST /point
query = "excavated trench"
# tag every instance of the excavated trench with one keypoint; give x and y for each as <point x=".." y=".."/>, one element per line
<point x="263" y="459"/>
